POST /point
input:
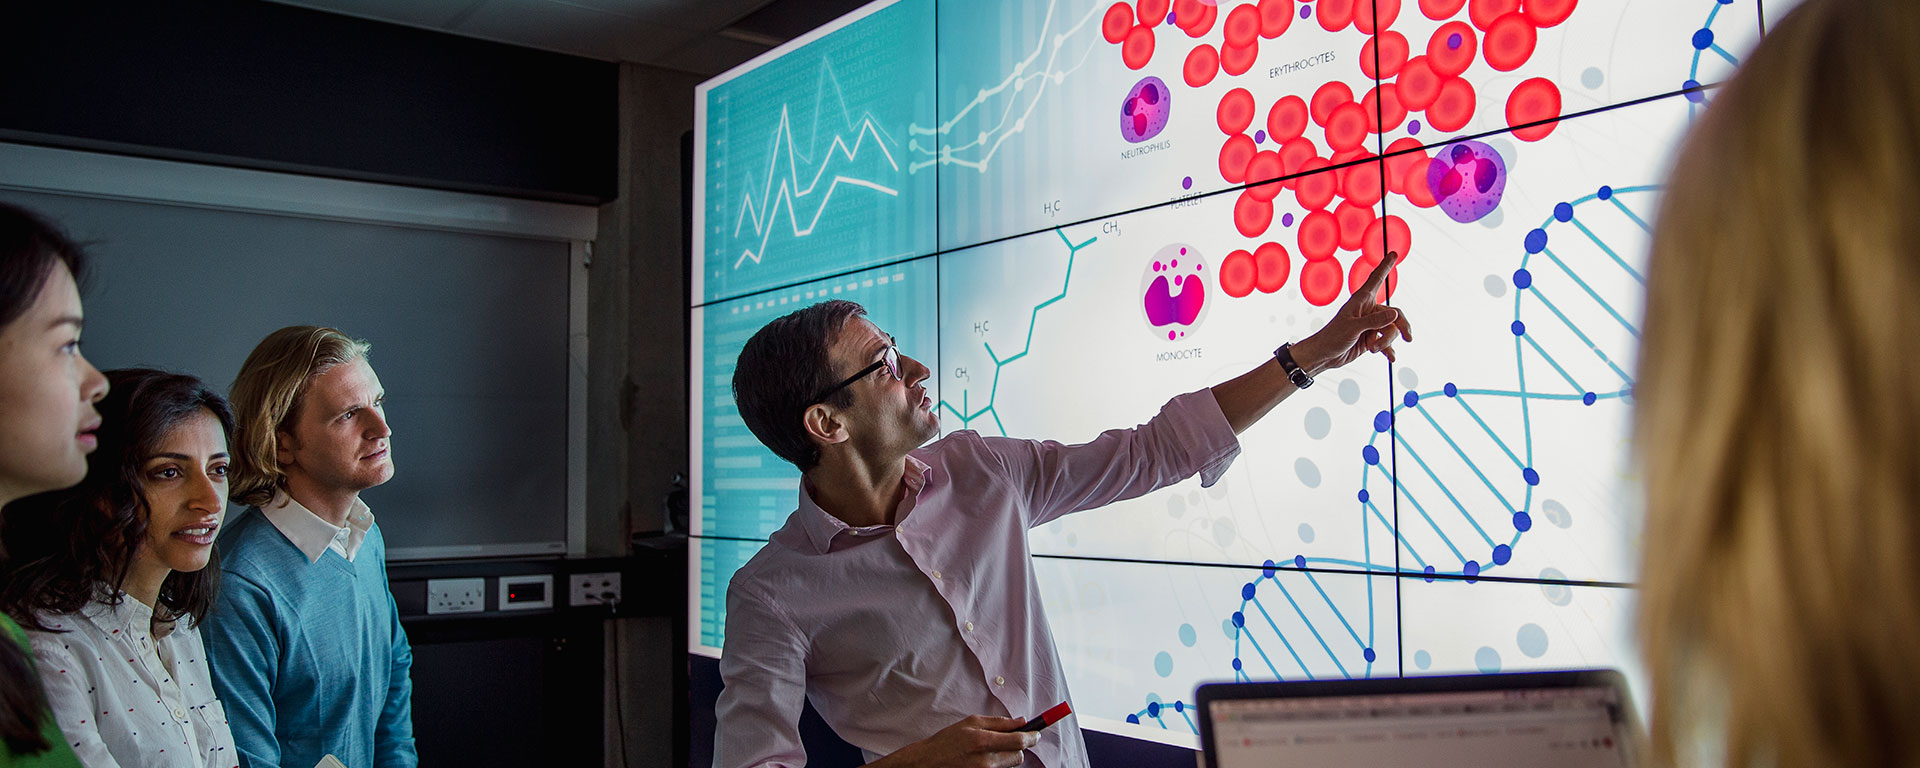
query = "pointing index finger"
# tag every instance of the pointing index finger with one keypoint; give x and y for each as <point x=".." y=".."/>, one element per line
<point x="1379" y="275"/>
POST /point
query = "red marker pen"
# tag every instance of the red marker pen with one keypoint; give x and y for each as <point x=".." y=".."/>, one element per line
<point x="1049" y="717"/>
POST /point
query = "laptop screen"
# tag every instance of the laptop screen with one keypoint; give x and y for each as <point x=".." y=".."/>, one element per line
<point x="1576" y="727"/>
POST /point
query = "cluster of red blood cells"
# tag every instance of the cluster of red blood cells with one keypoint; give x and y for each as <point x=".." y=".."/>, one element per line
<point x="1341" y="204"/>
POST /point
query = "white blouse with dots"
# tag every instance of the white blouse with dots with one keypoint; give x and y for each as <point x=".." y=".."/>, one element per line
<point x="125" y="698"/>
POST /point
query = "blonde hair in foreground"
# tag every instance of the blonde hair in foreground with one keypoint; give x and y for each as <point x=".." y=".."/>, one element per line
<point x="267" y="394"/>
<point x="1779" y="410"/>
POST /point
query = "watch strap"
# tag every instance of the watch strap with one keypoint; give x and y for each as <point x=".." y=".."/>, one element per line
<point x="1295" y="373"/>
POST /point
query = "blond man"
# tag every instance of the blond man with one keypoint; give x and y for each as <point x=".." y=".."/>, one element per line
<point x="305" y="643"/>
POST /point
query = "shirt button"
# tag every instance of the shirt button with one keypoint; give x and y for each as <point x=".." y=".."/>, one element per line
<point x="969" y="626"/>
<point x="179" y="714"/>
<point x="999" y="681"/>
<point x="936" y="574"/>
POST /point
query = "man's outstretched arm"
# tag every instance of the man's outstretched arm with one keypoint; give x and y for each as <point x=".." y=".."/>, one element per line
<point x="1361" y="325"/>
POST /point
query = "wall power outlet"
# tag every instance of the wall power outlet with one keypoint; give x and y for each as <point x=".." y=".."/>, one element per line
<point x="593" y="589"/>
<point x="456" y="596"/>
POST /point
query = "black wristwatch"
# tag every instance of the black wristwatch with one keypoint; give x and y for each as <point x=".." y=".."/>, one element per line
<point x="1294" y="372"/>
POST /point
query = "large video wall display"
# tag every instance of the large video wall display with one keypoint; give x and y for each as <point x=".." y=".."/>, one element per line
<point x="1073" y="211"/>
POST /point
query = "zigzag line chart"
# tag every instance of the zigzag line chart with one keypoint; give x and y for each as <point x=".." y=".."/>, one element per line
<point x="764" y="211"/>
<point x="1452" y="436"/>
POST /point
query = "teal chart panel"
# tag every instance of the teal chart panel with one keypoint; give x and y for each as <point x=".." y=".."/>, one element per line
<point x="801" y="164"/>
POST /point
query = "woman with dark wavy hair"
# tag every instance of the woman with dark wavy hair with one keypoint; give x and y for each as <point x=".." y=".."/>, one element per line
<point x="112" y="578"/>
<point x="47" y="391"/>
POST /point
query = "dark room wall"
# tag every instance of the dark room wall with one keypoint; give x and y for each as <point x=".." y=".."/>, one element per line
<point x="274" y="87"/>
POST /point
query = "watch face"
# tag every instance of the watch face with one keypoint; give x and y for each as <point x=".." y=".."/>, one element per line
<point x="1300" y="378"/>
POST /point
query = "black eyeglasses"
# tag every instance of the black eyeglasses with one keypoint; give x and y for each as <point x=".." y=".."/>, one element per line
<point x="889" y="359"/>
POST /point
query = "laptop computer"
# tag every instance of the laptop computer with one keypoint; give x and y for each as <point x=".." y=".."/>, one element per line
<point x="1572" y="719"/>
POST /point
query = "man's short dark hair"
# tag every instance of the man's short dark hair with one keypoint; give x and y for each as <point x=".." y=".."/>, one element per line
<point x="782" y="368"/>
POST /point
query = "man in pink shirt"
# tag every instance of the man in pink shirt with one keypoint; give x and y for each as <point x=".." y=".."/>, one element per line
<point x="900" y="596"/>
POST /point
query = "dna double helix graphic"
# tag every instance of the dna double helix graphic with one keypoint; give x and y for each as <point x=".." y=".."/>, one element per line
<point x="1466" y="529"/>
<point x="1463" y="460"/>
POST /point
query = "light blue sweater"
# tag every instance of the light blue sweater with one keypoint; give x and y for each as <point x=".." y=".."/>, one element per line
<point x="309" y="657"/>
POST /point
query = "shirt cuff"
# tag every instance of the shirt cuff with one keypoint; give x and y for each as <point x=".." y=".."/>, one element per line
<point x="1202" y="429"/>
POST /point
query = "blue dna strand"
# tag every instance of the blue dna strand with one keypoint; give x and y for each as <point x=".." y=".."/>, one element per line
<point x="1707" y="48"/>
<point x="1469" y="487"/>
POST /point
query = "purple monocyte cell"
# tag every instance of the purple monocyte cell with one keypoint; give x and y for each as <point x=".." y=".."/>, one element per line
<point x="1164" y="307"/>
<point x="1143" y="114"/>
<point x="1173" y="292"/>
<point x="1467" y="179"/>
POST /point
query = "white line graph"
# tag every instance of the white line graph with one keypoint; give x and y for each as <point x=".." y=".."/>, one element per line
<point x="764" y="213"/>
<point x="1018" y="80"/>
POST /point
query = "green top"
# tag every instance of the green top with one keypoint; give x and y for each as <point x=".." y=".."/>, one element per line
<point x="61" y="755"/>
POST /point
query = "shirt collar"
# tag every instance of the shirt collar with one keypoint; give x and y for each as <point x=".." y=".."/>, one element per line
<point x="821" y="527"/>
<point x="310" y="534"/>
<point x="125" y="615"/>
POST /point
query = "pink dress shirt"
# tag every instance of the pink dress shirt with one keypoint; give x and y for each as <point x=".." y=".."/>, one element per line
<point x="897" y="631"/>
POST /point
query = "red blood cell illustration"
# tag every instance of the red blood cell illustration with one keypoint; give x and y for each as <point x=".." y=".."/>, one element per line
<point x="1117" y="22"/>
<point x="1329" y="95"/>
<point x="1275" y="17"/>
<point x="1440" y="10"/>
<point x="1510" y="42"/>
<point x="1379" y="16"/>
<point x="1319" y="235"/>
<point x="1234" y="157"/>
<point x="1264" y="168"/>
<point x="1413" y="184"/>
<point x="1295" y="153"/>
<point x="1533" y="100"/>
<point x="1152" y="12"/>
<point x="1403" y="153"/>
<point x="1314" y="190"/>
<point x="1450" y="51"/>
<point x="1387" y="233"/>
<point x="1238" y="274"/>
<point x="1335" y="15"/>
<point x="1361" y="185"/>
<point x="1270" y="262"/>
<point x="1202" y="65"/>
<point x="1251" y="215"/>
<point x="1547" y="13"/>
<point x="1199" y="22"/>
<point x="1483" y="12"/>
<point x="1346" y="127"/>
<point x="1184" y="11"/>
<point x="1383" y="108"/>
<point x="1353" y="220"/>
<point x="1362" y="267"/>
<point x="1243" y="26"/>
<point x="1453" y="107"/>
<point x="1236" y="61"/>
<point x="1320" y="281"/>
<point x="1236" y="111"/>
<point x="1382" y="56"/>
<point x="1287" y="118"/>
<point x="1417" y="85"/>
<point x="1138" y="49"/>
